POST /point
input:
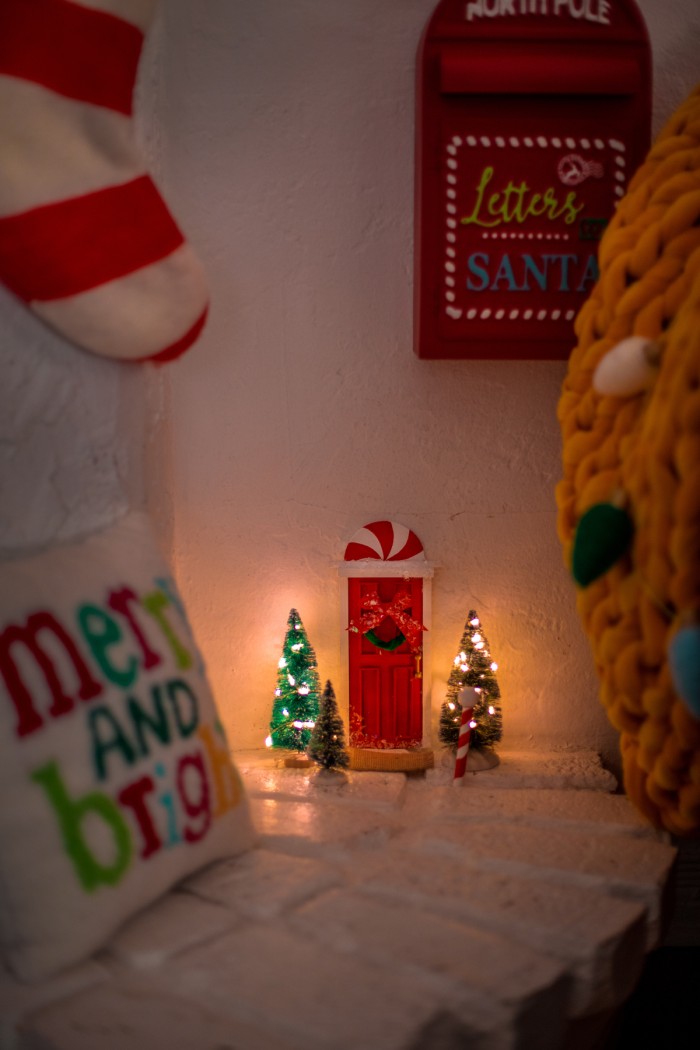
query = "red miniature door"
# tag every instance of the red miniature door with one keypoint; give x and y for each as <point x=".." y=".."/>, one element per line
<point x="385" y="674"/>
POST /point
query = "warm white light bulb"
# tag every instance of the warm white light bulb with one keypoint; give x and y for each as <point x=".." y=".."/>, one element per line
<point x="472" y="724"/>
<point x="479" y="645"/>
<point x="285" y="712"/>
<point x="268" y="741"/>
<point x="282" y="662"/>
<point x="494" y="666"/>
<point x="303" y="690"/>
<point x="474" y="622"/>
<point x="292" y="681"/>
<point x="297" y="626"/>
<point x="492" y="710"/>
<point x="476" y="637"/>
<point x="451" y="706"/>
<point x="278" y="692"/>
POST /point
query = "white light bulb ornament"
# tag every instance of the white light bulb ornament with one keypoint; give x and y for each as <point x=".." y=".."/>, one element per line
<point x="629" y="368"/>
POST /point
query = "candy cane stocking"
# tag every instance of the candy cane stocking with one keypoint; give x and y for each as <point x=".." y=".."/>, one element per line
<point x="86" y="240"/>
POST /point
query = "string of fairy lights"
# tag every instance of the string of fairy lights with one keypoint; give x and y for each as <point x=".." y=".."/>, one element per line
<point x="299" y="689"/>
<point x="302" y="688"/>
<point x="471" y="672"/>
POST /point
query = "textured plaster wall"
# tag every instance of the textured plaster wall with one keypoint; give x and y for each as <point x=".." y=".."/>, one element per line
<point x="283" y="135"/>
<point x="303" y="413"/>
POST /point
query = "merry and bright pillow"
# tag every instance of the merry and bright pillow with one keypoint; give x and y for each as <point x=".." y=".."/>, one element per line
<point x="115" y="776"/>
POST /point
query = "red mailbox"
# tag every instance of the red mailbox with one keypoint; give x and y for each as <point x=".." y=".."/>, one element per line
<point x="532" y="115"/>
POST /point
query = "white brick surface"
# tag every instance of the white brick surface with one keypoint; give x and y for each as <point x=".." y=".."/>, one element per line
<point x="332" y="1000"/>
<point x="532" y="769"/>
<point x="634" y="868"/>
<point x="379" y="911"/>
<point x="17" y="1000"/>
<point x="552" y="808"/>
<point x="599" y="937"/>
<point x="320" y="828"/>
<point x="262" y="884"/>
<point x="174" y="923"/>
<point x="377" y="790"/>
<point x="501" y="986"/>
<point x="141" y="1015"/>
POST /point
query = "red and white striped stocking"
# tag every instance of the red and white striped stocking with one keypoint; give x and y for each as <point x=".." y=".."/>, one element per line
<point x="86" y="240"/>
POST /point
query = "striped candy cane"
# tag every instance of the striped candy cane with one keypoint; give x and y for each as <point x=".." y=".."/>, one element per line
<point x="467" y="699"/>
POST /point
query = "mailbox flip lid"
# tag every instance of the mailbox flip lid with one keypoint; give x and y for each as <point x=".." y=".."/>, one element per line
<point x="507" y="70"/>
<point x="532" y="116"/>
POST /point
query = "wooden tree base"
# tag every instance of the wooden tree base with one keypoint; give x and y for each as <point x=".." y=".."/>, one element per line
<point x="297" y="762"/>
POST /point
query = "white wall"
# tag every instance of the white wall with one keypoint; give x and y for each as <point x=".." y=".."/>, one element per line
<point x="283" y="135"/>
<point x="303" y="413"/>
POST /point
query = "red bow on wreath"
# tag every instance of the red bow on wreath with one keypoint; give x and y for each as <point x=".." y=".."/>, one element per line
<point x="374" y="611"/>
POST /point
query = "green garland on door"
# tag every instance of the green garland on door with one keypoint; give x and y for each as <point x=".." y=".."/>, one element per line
<point x="389" y="646"/>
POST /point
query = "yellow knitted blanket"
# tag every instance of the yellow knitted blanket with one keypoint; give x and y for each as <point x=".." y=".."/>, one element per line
<point x="647" y="446"/>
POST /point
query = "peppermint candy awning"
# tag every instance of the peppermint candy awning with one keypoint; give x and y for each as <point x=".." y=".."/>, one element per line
<point x="385" y="541"/>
